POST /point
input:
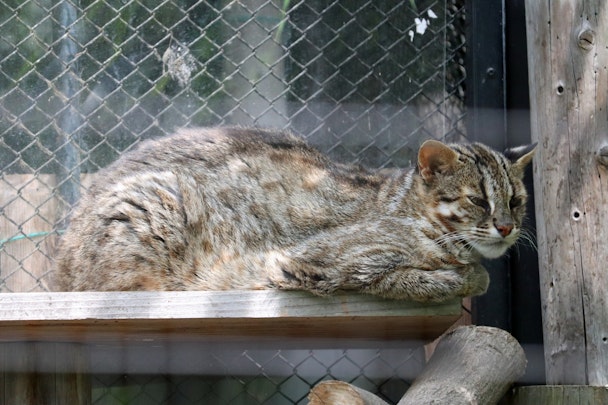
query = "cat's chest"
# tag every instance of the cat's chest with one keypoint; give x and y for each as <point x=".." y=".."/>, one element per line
<point x="426" y="244"/>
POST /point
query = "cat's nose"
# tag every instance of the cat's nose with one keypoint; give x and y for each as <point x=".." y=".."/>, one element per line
<point x="504" y="229"/>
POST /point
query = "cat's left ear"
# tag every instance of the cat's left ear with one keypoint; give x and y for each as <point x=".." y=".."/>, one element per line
<point x="435" y="157"/>
<point x="521" y="156"/>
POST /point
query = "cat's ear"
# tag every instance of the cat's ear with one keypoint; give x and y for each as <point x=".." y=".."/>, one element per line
<point x="521" y="156"/>
<point x="435" y="157"/>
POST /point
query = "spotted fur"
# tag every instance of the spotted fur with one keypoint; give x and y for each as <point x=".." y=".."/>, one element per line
<point x="234" y="208"/>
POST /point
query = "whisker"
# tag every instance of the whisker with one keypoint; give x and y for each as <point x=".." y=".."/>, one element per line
<point x="527" y="238"/>
<point x="450" y="237"/>
<point x="456" y="239"/>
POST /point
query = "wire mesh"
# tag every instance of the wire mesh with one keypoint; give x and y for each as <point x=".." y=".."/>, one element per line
<point x="82" y="81"/>
<point x="254" y="376"/>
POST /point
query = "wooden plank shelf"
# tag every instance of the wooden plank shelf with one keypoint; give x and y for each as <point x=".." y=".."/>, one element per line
<point x="116" y="316"/>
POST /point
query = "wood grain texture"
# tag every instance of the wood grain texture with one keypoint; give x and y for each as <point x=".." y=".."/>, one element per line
<point x="108" y="316"/>
<point x="568" y="70"/>
<point x="44" y="373"/>
<point x="559" y="395"/>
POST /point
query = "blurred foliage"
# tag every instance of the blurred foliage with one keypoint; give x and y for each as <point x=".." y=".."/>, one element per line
<point x="101" y="66"/>
<point x="360" y="51"/>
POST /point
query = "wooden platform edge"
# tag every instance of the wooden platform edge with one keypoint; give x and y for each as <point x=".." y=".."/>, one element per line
<point x="558" y="395"/>
<point x="85" y="316"/>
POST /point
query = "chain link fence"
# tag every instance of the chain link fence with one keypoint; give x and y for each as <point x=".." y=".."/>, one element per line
<point x="82" y="81"/>
<point x="193" y="375"/>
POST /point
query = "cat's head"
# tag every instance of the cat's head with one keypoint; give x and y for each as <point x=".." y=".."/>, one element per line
<point x="476" y="193"/>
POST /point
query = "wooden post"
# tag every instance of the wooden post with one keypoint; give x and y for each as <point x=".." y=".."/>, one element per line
<point x="568" y="70"/>
<point x="44" y="373"/>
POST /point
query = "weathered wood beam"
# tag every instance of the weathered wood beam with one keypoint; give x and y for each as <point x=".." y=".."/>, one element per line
<point x="568" y="70"/>
<point x="74" y="317"/>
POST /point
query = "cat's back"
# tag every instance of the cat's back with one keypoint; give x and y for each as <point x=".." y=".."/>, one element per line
<point x="240" y="161"/>
<point x="210" y="148"/>
<point x="214" y="146"/>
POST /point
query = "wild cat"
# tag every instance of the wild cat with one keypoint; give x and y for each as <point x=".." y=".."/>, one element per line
<point x="245" y="208"/>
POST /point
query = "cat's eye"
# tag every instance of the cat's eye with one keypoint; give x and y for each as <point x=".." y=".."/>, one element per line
<point x="480" y="202"/>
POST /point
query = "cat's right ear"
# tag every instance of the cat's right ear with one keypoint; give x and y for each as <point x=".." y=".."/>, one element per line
<point x="435" y="157"/>
<point x="520" y="156"/>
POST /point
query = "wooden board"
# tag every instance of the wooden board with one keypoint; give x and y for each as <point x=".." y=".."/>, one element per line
<point x="103" y="316"/>
<point x="559" y="395"/>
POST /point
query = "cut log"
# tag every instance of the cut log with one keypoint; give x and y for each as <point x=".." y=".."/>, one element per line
<point x="341" y="393"/>
<point x="471" y="365"/>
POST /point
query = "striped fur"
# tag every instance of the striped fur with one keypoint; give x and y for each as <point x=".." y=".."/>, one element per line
<point x="234" y="208"/>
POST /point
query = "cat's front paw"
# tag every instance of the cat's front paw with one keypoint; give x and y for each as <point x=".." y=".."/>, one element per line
<point x="475" y="281"/>
<point x="287" y="273"/>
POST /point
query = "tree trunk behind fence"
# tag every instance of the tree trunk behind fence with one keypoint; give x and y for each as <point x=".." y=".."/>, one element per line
<point x="36" y="373"/>
<point x="568" y="70"/>
<point x="258" y="92"/>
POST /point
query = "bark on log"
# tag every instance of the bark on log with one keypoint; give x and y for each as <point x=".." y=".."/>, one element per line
<point x="471" y="365"/>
